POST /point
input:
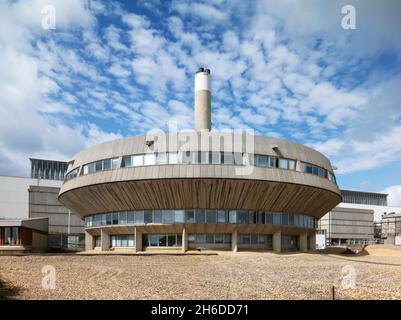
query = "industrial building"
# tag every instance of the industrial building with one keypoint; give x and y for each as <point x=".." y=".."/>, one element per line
<point x="29" y="205"/>
<point x="193" y="194"/>
<point x="353" y="220"/>
<point x="391" y="228"/>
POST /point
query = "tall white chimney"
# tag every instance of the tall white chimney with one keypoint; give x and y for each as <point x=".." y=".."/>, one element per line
<point x="203" y="98"/>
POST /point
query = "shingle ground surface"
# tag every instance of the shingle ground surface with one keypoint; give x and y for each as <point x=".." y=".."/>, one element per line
<point x="242" y="275"/>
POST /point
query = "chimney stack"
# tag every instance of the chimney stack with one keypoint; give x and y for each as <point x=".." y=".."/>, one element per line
<point x="203" y="100"/>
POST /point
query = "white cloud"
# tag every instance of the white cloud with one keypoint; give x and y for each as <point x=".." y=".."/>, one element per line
<point x="201" y="10"/>
<point x="351" y="155"/>
<point x="117" y="70"/>
<point x="394" y="195"/>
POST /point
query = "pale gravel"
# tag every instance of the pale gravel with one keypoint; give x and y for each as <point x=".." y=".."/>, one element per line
<point x="242" y="275"/>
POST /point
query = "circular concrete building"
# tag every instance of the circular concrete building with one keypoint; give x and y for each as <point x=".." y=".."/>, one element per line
<point x="200" y="189"/>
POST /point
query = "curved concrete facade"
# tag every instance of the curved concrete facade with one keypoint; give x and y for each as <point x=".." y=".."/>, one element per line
<point x="200" y="186"/>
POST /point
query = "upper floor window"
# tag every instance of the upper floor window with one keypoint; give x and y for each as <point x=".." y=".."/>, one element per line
<point x="72" y="174"/>
<point x="312" y="169"/>
<point x="101" y="165"/>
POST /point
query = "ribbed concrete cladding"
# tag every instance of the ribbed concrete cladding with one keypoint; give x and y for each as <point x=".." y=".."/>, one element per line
<point x="141" y="192"/>
<point x="180" y="186"/>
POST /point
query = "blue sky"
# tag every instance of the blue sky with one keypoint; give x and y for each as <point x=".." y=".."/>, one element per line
<point x="287" y="69"/>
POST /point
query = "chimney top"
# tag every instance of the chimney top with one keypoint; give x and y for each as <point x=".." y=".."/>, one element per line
<point x="203" y="70"/>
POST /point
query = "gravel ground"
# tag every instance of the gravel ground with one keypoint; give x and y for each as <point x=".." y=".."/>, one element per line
<point x="243" y="275"/>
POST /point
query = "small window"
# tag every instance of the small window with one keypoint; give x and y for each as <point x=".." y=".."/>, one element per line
<point x="261" y="160"/>
<point x="261" y="218"/>
<point x="245" y="239"/>
<point x="291" y="219"/>
<point x="189" y="216"/>
<point x="86" y="169"/>
<point x="126" y="162"/>
<point x="200" y="216"/>
<point x="191" y="238"/>
<point x="227" y="238"/>
<point x="238" y="158"/>
<point x="139" y="217"/>
<point x="242" y="217"/>
<point x="168" y="216"/>
<point x="91" y="167"/>
<point x="219" y="238"/>
<point x="200" y="238"/>
<point x="173" y="158"/>
<point x="284" y="218"/>
<point x="157" y="216"/>
<point x="210" y="238"/>
<point x="232" y="216"/>
<point x="283" y="163"/>
<point x="171" y="240"/>
<point x="153" y="240"/>
<point x="269" y="218"/>
<point x="201" y="157"/>
<point x="162" y="240"/>
<point x="115" y="218"/>
<point x="179" y="216"/>
<point x="131" y="217"/>
<point x="315" y="171"/>
<point x="211" y="216"/>
<point x="252" y="217"/>
<point x="214" y="157"/>
<point x="148" y="216"/>
<point x="276" y="218"/>
<point x="179" y="240"/>
<point x="149" y="159"/>
<point x="107" y="164"/>
<point x="185" y="157"/>
<point x="291" y="164"/>
<point x="221" y="216"/>
<point x="161" y="158"/>
<point x="137" y="160"/>
<point x="227" y="158"/>
<point x="262" y="239"/>
<point x="99" y="166"/>
<point x="273" y="162"/>
<point x="114" y="163"/>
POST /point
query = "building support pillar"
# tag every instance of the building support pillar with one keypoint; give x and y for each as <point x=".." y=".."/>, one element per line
<point x="138" y="240"/>
<point x="105" y="240"/>
<point x="184" y="240"/>
<point x="303" y="242"/>
<point x="89" y="241"/>
<point x="312" y="241"/>
<point x="277" y="241"/>
<point x="234" y="241"/>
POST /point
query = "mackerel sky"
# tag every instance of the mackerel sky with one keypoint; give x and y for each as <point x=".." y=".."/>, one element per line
<point x="287" y="69"/>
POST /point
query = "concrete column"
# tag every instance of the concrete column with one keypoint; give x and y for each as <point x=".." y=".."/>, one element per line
<point x="184" y="240"/>
<point x="138" y="240"/>
<point x="312" y="241"/>
<point x="303" y="242"/>
<point x="234" y="241"/>
<point x="105" y="240"/>
<point x="277" y="241"/>
<point x="89" y="241"/>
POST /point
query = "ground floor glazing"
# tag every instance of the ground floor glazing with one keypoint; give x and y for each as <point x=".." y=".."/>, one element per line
<point x="139" y="240"/>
